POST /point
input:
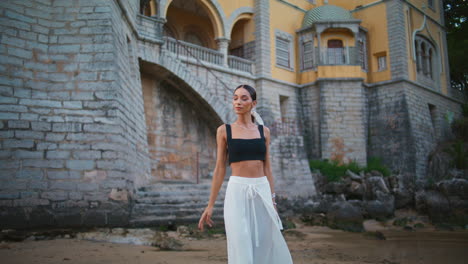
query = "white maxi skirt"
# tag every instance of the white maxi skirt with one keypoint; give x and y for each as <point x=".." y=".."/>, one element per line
<point x="252" y="223"/>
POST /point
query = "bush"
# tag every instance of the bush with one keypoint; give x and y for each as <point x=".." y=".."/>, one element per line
<point x="374" y="163"/>
<point x="334" y="171"/>
<point x="459" y="154"/>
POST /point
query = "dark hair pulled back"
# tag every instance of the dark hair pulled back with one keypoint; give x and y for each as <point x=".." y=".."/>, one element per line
<point x="252" y="92"/>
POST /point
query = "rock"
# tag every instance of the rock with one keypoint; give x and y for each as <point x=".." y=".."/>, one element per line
<point x="315" y="219"/>
<point x="353" y="176"/>
<point x="403" y="198"/>
<point x="378" y="183"/>
<point x="335" y="187"/>
<point x="437" y="206"/>
<point x="164" y="242"/>
<point x="380" y="209"/>
<point x="457" y="174"/>
<point x="355" y="190"/>
<point x="325" y="203"/>
<point x="376" y="173"/>
<point x="183" y="231"/>
<point x="439" y="164"/>
<point x="454" y="187"/>
<point x="375" y="235"/>
<point x="345" y="216"/>
<point x="393" y="182"/>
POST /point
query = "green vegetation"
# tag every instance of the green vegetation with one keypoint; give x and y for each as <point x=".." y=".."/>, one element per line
<point x="374" y="163"/>
<point x="335" y="171"/>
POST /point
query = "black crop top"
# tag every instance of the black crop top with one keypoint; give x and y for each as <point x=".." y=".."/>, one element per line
<point x="245" y="148"/>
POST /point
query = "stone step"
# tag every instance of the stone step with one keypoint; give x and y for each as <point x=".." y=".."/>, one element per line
<point x="142" y="209"/>
<point x="165" y="211"/>
<point x="162" y="203"/>
<point x="177" y="199"/>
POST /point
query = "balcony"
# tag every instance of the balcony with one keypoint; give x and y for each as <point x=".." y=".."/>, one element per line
<point x="151" y="29"/>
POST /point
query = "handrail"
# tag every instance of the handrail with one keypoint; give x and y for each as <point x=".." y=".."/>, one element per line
<point x="240" y="64"/>
<point x="201" y="63"/>
<point x="184" y="48"/>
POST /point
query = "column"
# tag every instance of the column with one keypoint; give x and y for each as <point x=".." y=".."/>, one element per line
<point x="262" y="38"/>
<point x="223" y="45"/>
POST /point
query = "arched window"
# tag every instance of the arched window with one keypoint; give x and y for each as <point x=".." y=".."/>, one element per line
<point x="425" y="53"/>
<point x="335" y="51"/>
<point x="194" y="38"/>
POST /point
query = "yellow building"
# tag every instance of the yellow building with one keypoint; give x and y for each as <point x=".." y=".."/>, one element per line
<point x="109" y="108"/>
<point x="341" y="67"/>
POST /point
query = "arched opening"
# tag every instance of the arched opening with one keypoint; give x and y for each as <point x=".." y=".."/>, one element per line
<point x="335" y="51"/>
<point x="426" y="61"/>
<point x="191" y="21"/>
<point x="181" y="127"/>
<point x="148" y="7"/>
<point x="242" y="42"/>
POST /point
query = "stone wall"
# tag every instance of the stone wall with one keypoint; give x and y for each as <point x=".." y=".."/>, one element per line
<point x="310" y="107"/>
<point x="182" y="143"/>
<point x="402" y="130"/>
<point x="66" y="150"/>
<point x="428" y="126"/>
<point x="289" y="163"/>
<point x="342" y="120"/>
<point x="389" y="128"/>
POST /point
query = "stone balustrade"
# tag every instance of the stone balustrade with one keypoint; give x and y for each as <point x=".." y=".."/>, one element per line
<point x="240" y="64"/>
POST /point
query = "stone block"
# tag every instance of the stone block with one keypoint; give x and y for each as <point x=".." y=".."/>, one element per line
<point x="66" y="127"/>
<point x="63" y="185"/>
<point x="41" y="126"/>
<point x="55" y="136"/>
<point x="80" y="164"/>
<point x="41" y="163"/>
<point x="18" y="124"/>
<point x="94" y="218"/>
<point x="26" y="154"/>
<point x="18" y="143"/>
<point x="57" y="154"/>
<point x="55" y="195"/>
<point x="26" y="134"/>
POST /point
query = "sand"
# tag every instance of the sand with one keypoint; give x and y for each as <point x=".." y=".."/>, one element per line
<point x="308" y="244"/>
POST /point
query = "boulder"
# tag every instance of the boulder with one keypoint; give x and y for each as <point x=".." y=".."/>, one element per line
<point x="335" y="187"/>
<point x="343" y="215"/>
<point x="403" y="198"/>
<point x="435" y="204"/>
<point x="355" y="190"/>
<point x="382" y="208"/>
<point x="454" y="187"/>
<point x="354" y="176"/>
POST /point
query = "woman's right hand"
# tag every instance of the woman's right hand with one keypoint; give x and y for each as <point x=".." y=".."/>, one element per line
<point x="206" y="218"/>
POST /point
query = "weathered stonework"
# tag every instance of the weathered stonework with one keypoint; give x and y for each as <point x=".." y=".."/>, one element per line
<point x="102" y="125"/>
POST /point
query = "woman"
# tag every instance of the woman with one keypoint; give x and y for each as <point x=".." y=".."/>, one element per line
<point x="250" y="216"/>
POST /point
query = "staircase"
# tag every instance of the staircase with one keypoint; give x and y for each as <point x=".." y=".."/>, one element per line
<point x="169" y="203"/>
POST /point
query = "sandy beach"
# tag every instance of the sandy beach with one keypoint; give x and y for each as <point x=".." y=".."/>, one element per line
<point x="308" y="244"/>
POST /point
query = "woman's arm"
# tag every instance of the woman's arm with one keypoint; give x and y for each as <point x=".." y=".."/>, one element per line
<point x="267" y="164"/>
<point x="218" y="176"/>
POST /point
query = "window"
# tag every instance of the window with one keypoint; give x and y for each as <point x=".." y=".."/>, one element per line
<point x="430" y="3"/>
<point x="306" y="47"/>
<point x="335" y="52"/>
<point x="425" y="52"/>
<point x="382" y="61"/>
<point x="284" y="50"/>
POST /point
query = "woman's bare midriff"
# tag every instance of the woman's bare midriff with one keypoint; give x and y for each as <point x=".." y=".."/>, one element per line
<point x="248" y="168"/>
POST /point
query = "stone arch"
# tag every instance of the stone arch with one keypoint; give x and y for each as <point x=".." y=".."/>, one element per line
<point x="181" y="119"/>
<point x="213" y="9"/>
<point x="239" y="13"/>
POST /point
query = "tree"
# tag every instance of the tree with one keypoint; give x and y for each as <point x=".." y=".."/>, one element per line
<point x="456" y="12"/>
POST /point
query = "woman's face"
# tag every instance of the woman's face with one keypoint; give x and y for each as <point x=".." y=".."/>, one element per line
<point x="242" y="101"/>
